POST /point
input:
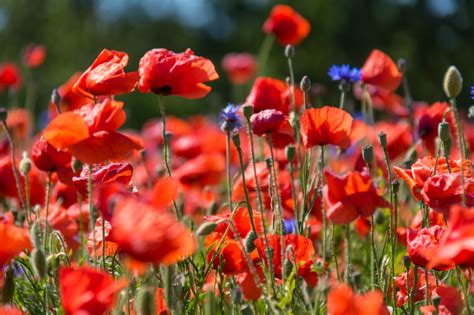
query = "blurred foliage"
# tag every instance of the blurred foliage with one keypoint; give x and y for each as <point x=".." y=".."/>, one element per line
<point x="430" y="34"/>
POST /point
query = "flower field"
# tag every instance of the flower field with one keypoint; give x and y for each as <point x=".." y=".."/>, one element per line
<point x="280" y="203"/>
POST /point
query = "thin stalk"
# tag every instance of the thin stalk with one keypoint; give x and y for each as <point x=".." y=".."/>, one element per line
<point x="292" y="85"/>
<point x="91" y="211"/>
<point x="276" y="185"/>
<point x="264" y="53"/>
<point x="46" y="222"/>
<point x="229" y="178"/>
<point x="348" y="255"/>
<point x="325" y="223"/>
<point x="27" y="198"/>
<point x="165" y="140"/>
<point x="335" y="254"/>
<point x="342" y="100"/>
<point x="103" y="242"/>
<point x="460" y="136"/>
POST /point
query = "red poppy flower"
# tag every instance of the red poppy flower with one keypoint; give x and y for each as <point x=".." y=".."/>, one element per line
<point x="420" y="245"/>
<point x="183" y="74"/>
<point x="343" y="301"/>
<point x="9" y="76"/>
<point x="423" y="169"/>
<point x="247" y="284"/>
<point x="419" y="290"/>
<point x="326" y="125"/>
<point x="14" y="241"/>
<point x="267" y="121"/>
<point x="106" y="76"/>
<point x="206" y="169"/>
<point x="230" y="255"/>
<point x="47" y="158"/>
<point x="160" y="303"/>
<point x="110" y="246"/>
<point x="457" y="242"/>
<point x="269" y="93"/>
<point x="399" y="139"/>
<point x="240" y="67"/>
<point x="34" y="55"/>
<point x="362" y="226"/>
<point x="428" y="121"/>
<point x="451" y="302"/>
<point x="149" y="234"/>
<point x="84" y="290"/>
<point x="302" y="255"/>
<point x="10" y="310"/>
<point x="287" y="25"/>
<point x="383" y="99"/>
<point x="442" y="191"/>
<point x="19" y="121"/>
<point x="70" y="100"/>
<point x="59" y="219"/>
<point x="380" y="70"/>
<point x="241" y="220"/>
<point x="90" y="135"/>
<point x="351" y="196"/>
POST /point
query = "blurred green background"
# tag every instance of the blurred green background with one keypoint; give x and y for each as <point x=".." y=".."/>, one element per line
<point x="430" y="34"/>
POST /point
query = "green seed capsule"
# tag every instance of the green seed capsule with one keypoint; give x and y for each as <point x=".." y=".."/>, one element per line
<point x="250" y="241"/>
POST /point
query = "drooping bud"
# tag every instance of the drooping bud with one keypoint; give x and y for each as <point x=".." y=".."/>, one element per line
<point x="289" y="51"/>
<point x="247" y="110"/>
<point x="395" y="186"/>
<point x="452" y="83"/>
<point x="76" y="165"/>
<point x="249" y="241"/>
<point x="379" y="217"/>
<point x="8" y="286"/>
<point x="38" y="261"/>
<point x="25" y="165"/>
<point x="402" y="65"/>
<point x="345" y="85"/>
<point x="383" y="139"/>
<point x="305" y="84"/>
<point x="3" y="114"/>
<point x="406" y="261"/>
<point x="290" y="153"/>
<point x="36" y="234"/>
<point x="368" y="154"/>
<point x="145" y="302"/>
<point x="55" y="97"/>
<point x="236" y="140"/>
<point x="206" y="228"/>
<point x="443" y="131"/>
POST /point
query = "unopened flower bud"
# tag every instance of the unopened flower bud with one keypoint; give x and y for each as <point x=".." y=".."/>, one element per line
<point x="287" y="268"/>
<point x="8" y="286"/>
<point x="38" y="261"/>
<point x="168" y="136"/>
<point x="288" y="81"/>
<point x="206" y="228"/>
<point x="368" y="154"/>
<point x="379" y="217"/>
<point x="383" y="139"/>
<point x="406" y="261"/>
<point x="290" y="153"/>
<point x="145" y="302"/>
<point x="36" y="234"/>
<point x="269" y="162"/>
<point x="402" y="65"/>
<point x="249" y="241"/>
<point x="345" y="86"/>
<point x="212" y="208"/>
<point x="3" y="114"/>
<point x="436" y="301"/>
<point x="55" y="97"/>
<point x="76" y="165"/>
<point x="236" y="140"/>
<point x="289" y="51"/>
<point x="443" y="131"/>
<point x="452" y="83"/>
<point x="25" y="165"/>
<point x="305" y="84"/>
<point x="395" y="186"/>
<point x="247" y="110"/>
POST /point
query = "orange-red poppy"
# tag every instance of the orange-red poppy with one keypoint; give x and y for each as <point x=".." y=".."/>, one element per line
<point x="9" y="77"/>
<point x="149" y="234"/>
<point x="110" y="246"/>
<point x="428" y="119"/>
<point x="47" y="158"/>
<point x="34" y="55"/>
<point x="90" y="135"/>
<point x="380" y="70"/>
<point x="183" y="74"/>
<point x="420" y="245"/>
<point x="240" y="67"/>
<point x="326" y="125"/>
<point x="241" y="221"/>
<point x="84" y="290"/>
<point x="343" y="301"/>
<point x="419" y="289"/>
<point x="205" y="169"/>
<point x="422" y="169"/>
<point x="351" y="196"/>
<point x="19" y="122"/>
<point x="288" y="26"/>
<point x="106" y="76"/>
<point x="270" y="93"/>
<point x="14" y="240"/>
<point x="230" y="255"/>
<point x="451" y="302"/>
<point x="10" y="310"/>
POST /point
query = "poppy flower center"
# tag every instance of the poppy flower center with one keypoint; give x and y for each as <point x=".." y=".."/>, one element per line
<point x="163" y="90"/>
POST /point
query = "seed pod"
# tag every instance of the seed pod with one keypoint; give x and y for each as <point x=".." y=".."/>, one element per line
<point x="36" y="234"/>
<point x="290" y="153"/>
<point x="368" y="154"/>
<point x="452" y="83"/>
<point x="305" y="84"/>
<point x="289" y="51"/>
<point x="402" y="65"/>
<point x="38" y="261"/>
<point x="443" y="131"/>
<point x="25" y="165"/>
<point x="168" y="136"/>
<point x="206" y="228"/>
<point x="345" y="86"/>
<point x="247" y="110"/>
<point x="145" y="302"/>
<point x="250" y="241"/>
<point x="269" y="162"/>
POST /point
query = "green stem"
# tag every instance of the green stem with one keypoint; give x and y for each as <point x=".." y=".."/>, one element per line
<point x="342" y="101"/>
<point x="91" y="211"/>
<point x="460" y="136"/>
<point x="292" y="85"/>
<point x="347" y="273"/>
<point x="229" y="178"/>
<point x="264" y="53"/>
<point x="46" y="222"/>
<point x="165" y="140"/>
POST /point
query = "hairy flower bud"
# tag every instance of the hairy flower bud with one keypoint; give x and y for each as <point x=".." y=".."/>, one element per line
<point x="36" y="234"/>
<point x="290" y="153"/>
<point x="443" y="131"/>
<point x="368" y="154"/>
<point x="289" y="51"/>
<point x="8" y="286"/>
<point x="206" y="228"/>
<point x="38" y="261"/>
<point x="247" y="110"/>
<point x="25" y="165"/>
<point x="305" y="84"/>
<point x="452" y="83"/>
<point x="236" y="140"/>
<point x="383" y="139"/>
<point x="249" y="241"/>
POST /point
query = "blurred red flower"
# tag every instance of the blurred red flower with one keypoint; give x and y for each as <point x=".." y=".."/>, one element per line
<point x="106" y="76"/>
<point x="240" y="67"/>
<point x="183" y="74"/>
<point x="10" y="310"/>
<point x="326" y="125"/>
<point x="160" y="303"/>
<point x="14" y="240"/>
<point x="420" y="245"/>
<point x="343" y="301"/>
<point x="49" y="159"/>
<point x="10" y="77"/>
<point x="70" y="100"/>
<point x="150" y="234"/>
<point x="203" y="170"/>
<point x="428" y="119"/>
<point x="419" y="289"/>
<point x="270" y="93"/>
<point x="451" y="302"/>
<point x="34" y="55"/>
<point x="399" y="138"/>
<point x="86" y="291"/>
<point x="380" y="70"/>
<point x="267" y="121"/>
<point x="89" y="133"/>
<point x="287" y="25"/>
<point x="110" y="246"/>
<point x="351" y="196"/>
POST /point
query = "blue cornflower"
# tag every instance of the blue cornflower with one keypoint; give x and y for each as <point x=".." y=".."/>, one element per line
<point x="345" y="72"/>
<point x="289" y="226"/>
<point x="229" y="119"/>
<point x="472" y="92"/>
